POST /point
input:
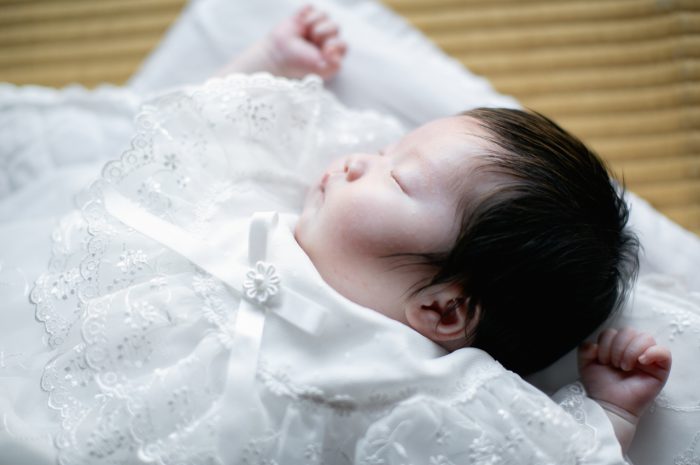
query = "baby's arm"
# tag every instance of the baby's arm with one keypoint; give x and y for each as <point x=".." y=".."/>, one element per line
<point x="624" y="372"/>
<point x="307" y="42"/>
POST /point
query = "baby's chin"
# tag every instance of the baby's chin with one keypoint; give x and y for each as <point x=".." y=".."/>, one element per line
<point x="298" y="233"/>
<point x="301" y="227"/>
<point x="309" y="210"/>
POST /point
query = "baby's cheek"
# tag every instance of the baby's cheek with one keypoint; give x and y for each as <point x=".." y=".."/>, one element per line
<point x="378" y="232"/>
<point x="354" y="226"/>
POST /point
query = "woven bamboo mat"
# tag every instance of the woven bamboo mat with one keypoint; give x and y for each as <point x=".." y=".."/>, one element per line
<point x="624" y="75"/>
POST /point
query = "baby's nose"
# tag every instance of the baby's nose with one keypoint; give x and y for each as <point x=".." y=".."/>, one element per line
<point x="354" y="169"/>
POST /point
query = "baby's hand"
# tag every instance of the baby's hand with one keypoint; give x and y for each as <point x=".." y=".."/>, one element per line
<point x="307" y="42"/>
<point x="624" y="371"/>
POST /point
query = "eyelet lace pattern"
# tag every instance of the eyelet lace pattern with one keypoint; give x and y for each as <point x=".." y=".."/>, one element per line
<point x="136" y="327"/>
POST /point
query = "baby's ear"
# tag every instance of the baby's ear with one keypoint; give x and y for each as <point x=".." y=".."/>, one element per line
<point x="440" y="313"/>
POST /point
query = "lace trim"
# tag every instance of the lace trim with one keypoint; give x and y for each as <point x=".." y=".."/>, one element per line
<point x="573" y="403"/>
<point x="77" y="280"/>
<point x="250" y="117"/>
<point x="460" y="393"/>
<point x="110" y="392"/>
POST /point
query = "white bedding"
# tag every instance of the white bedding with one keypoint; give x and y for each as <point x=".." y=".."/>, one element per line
<point x="46" y="155"/>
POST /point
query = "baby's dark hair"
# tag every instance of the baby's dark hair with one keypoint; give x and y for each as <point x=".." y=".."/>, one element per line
<point x="546" y="255"/>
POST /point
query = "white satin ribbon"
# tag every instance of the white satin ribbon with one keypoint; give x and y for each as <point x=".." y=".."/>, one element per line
<point x="209" y="256"/>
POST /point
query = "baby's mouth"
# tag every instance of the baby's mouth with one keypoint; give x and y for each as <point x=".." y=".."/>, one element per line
<point x="324" y="181"/>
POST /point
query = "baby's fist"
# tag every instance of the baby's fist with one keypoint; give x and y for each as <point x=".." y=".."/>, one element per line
<point x="625" y="369"/>
<point x="308" y="42"/>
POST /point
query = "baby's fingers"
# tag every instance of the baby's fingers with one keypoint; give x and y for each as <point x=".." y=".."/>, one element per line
<point x="303" y="12"/>
<point x="605" y="341"/>
<point x="587" y="354"/>
<point x="639" y="343"/>
<point x="311" y="19"/>
<point x="656" y="361"/>
<point x="619" y="345"/>
<point x="334" y="49"/>
<point x="323" y="30"/>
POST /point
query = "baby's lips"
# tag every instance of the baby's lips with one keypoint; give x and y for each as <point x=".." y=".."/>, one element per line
<point x="324" y="181"/>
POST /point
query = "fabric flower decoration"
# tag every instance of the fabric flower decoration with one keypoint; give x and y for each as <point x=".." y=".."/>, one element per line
<point x="261" y="283"/>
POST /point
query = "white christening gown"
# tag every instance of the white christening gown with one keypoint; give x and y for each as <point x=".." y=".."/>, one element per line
<point x="184" y="325"/>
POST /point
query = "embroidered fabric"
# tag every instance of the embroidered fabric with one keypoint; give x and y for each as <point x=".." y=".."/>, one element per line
<point x="427" y="430"/>
<point x="141" y="335"/>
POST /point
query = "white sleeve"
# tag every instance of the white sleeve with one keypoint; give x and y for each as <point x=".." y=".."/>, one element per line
<point x="593" y="420"/>
<point x="504" y="420"/>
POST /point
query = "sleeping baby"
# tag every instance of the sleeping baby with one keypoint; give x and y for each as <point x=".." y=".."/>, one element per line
<point x="493" y="229"/>
<point x="212" y="302"/>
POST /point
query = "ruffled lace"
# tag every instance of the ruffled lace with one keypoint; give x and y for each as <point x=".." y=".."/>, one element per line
<point x="137" y="328"/>
<point x="523" y="427"/>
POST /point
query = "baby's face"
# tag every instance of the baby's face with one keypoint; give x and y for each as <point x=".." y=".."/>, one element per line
<point x="367" y="206"/>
